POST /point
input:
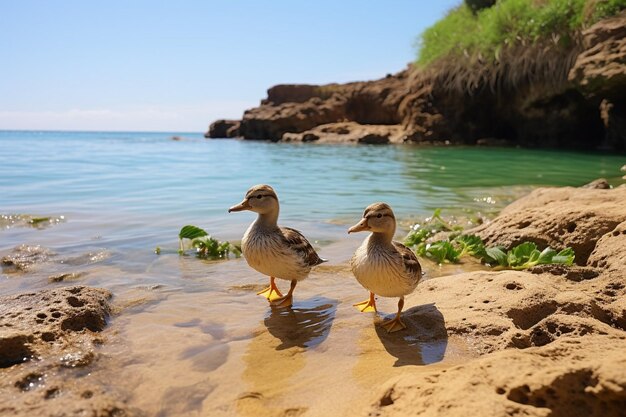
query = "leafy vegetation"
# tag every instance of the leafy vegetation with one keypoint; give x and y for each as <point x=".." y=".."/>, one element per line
<point x="527" y="255"/>
<point x="523" y="256"/>
<point x="472" y="30"/>
<point x="440" y="251"/>
<point x="205" y="245"/>
<point x="191" y="232"/>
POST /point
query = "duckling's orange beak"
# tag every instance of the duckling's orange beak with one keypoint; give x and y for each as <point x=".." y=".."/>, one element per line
<point x="244" y="205"/>
<point x="360" y="226"/>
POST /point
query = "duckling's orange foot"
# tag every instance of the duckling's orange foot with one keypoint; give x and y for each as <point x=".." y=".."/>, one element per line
<point x="282" y="302"/>
<point x="366" y="306"/>
<point x="393" y="325"/>
<point x="271" y="293"/>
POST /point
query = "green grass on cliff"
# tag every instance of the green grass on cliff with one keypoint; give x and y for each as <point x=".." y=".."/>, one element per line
<point x="484" y="34"/>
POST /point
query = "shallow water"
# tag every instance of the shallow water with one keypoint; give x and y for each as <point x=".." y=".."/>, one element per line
<point x="191" y="336"/>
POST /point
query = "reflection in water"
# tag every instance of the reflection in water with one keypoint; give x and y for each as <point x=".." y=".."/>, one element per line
<point x="305" y="326"/>
<point x="424" y="340"/>
<point x="275" y="356"/>
<point x="205" y="357"/>
<point x="186" y="400"/>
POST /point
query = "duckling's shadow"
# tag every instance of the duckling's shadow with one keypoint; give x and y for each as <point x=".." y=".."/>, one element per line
<point x="424" y="341"/>
<point x="306" y="324"/>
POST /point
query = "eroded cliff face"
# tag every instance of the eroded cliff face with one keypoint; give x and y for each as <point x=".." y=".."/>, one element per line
<point x="546" y="97"/>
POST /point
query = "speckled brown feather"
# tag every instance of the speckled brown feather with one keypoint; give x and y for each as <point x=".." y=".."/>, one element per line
<point x="296" y="241"/>
<point x="411" y="264"/>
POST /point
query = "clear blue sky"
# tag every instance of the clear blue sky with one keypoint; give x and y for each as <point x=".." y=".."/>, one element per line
<point x="176" y="66"/>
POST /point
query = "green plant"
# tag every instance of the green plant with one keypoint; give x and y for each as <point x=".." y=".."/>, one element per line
<point x="452" y="249"/>
<point x="469" y="33"/>
<point x="470" y="245"/>
<point x="208" y="247"/>
<point x="441" y="251"/>
<point x="526" y="255"/>
<point x="205" y="245"/>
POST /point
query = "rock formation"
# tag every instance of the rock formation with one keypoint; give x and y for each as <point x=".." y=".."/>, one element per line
<point x="48" y="344"/>
<point x="550" y="341"/>
<point x="544" y="97"/>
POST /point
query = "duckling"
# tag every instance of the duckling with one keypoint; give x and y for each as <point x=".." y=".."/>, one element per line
<point x="381" y="265"/>
<point x="279" y="252"/>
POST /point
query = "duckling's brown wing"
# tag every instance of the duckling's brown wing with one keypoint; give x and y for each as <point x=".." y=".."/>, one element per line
<point x="298" y="242"/>
<point x="411" y="264"/>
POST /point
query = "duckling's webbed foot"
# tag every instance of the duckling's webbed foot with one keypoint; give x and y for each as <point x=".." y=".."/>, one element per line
<point x="272" y="292"/>
<point x="367" y="305"/>
<point x="287" y="300"/>
<point x="395" y="324"/>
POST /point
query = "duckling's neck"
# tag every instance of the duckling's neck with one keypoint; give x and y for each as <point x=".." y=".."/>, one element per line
<point x="267" y="220"/>
<point x="381" y="238"/>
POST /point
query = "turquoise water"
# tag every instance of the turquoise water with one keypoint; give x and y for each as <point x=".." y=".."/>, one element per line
<point x="138" y="189"/>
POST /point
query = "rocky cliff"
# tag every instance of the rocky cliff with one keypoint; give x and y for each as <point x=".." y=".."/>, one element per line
<point x="540" y="97"/>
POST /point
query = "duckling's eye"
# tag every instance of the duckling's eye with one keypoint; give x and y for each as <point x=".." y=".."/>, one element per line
<point x="259" y="196"/>
<point x="379" y="215"/>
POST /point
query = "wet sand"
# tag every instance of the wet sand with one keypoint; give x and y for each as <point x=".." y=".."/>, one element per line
<point x="213" y="347"/>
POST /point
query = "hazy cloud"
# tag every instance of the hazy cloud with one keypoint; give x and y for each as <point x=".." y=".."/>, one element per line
<point x="154" y="118"/>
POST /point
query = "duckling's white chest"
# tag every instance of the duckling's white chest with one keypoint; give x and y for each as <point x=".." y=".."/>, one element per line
<point x="267" y="252"/>
<point x="381" y="271"/>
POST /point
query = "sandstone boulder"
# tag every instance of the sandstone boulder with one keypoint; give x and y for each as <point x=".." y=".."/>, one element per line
<point x="348" y="132"/>
<point x="569" y="378"/>
<point x="600" y="70"/>
<point x="37" y="322"/>
<point x="48" y="350"/>
<point x="558" y="217"/>
<point x="220" y="129"/>
<point x="296" y="108"/>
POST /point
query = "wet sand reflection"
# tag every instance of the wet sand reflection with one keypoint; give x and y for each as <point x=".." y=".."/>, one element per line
<point x="277" y="353"/>
<point x="306" y="325"/>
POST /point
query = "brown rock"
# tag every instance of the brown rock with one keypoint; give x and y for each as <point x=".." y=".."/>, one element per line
<point x="348" y="132"/>
<point x="558" y="217"/>
<point x="59" y="328"/>
<point x="599" y="184"/>
<point x="508" y="309"/>
<point x="600" y="73"/>
<point x="270" y="122"/>
<point x="613" y="116"/>
<point x="297" y="108"/>
<point x="298" y="93"/>
<point x="600" y="70"/>
<point x="14" y="347"/>
<point x="221" y="129"/>
<point x="570" y="377"/>
<point x="609" y="252"/>
<point x="37" y="322"/>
